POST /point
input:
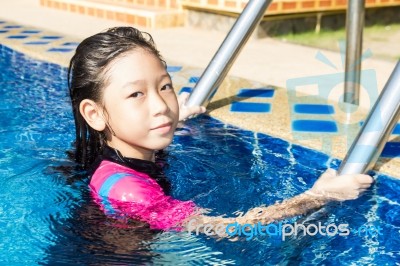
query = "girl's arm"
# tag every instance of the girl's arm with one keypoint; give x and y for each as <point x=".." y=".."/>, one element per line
<point x="328" y="187"/>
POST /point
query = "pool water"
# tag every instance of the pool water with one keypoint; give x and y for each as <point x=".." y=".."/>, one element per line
<point x="47" y="215"/>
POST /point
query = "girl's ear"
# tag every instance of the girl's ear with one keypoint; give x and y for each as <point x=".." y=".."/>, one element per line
<point x="93" y="114"/>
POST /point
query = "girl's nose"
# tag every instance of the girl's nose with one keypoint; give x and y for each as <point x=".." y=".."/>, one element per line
<point x="158" y="105"/>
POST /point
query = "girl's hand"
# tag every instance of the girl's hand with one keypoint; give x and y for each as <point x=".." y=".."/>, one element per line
<point x="343" y="187"/>
<point x="186" y="112"/>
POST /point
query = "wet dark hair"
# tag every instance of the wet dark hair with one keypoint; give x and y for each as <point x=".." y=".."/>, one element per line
<point x="87" y="78"/>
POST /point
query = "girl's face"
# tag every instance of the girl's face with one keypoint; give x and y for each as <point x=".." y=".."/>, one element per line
<point x="141" y="105"/>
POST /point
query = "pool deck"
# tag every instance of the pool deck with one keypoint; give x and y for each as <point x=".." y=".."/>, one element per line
<point x="280" y="89"/>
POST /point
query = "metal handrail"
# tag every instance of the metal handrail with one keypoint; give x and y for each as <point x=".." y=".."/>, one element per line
<point x="354" y="34"/>
<point x="230" y="48"/>
<point x="376" y="130"/>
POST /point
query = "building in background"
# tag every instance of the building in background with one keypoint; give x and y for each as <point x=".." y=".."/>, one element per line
<point x="282" y="16"/>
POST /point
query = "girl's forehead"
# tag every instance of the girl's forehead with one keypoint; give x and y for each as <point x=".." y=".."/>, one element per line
<point x="137" y="58"/>
<point x="138" y="64"/>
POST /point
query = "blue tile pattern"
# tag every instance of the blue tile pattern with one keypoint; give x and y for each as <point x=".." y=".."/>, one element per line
<point x="51" y="37"/>
<point x="186" y="89"/>
<point x="3" y="31"/>
<point x="17" y="37"/>
<point x="12" y="27"/>
<point x="61" y="50"/>
<point x="396" y="130"/>
<point x="314" y="126"/>
<point x="30" y="31"/>
<point x="37" y="43"/>
<point x="261" y="92"/>
<point x="323" y="109"/>
<point x="391" y="150"/>
<point x="70" y="44"/>
<point x="253" y="107"/>
<point x="174" y="68"/>
<point x="194" y="79"/>
<point x="250" y="107"/>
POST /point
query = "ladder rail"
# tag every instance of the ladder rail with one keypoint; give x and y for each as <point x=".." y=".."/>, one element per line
<point x="371" y="139"/>
<point x="225" y="56"/>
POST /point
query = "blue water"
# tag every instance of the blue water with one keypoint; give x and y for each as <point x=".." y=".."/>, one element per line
<point x="47" y="216"/>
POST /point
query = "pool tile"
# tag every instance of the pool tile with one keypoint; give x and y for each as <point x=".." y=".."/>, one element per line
<point x="186" y="89"/>
<point x="17" y="37"/>
<point x="36" y="43"/>
<point x="174" y="68"/>
<point x="322" y="109"/>
<point x="3" y="31"/>
<point x="261" y="92"/>
<point x="51" y="37"/>
<point x="61" y="50"/>
<point x="70" y="44"/>
<point x="194" y="79"/>
<point x="314" y="126"/>
<point x="391" y="150"/>
<point x="396" y="130"/>
<point x="2" y="22"/>
<point x="250" y="107"/>
<point x="30" y="31"/>
<point x="12" y="27"/>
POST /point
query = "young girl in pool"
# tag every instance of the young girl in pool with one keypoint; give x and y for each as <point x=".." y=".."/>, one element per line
<point x="126" y="111"/>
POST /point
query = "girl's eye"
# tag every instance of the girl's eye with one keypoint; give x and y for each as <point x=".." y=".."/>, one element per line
<point x="136" y="94"/>
<point x="167" y="87"/>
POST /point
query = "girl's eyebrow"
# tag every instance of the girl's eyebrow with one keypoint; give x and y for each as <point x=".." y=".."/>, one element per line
<point x="143" y="82"/>
<point x="135" y="82"/>
<point x="164" y="76"/>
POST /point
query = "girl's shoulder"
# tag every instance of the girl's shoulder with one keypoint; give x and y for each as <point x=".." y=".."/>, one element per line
<point x="108" y="168"/>
<point x="109" y="173"/>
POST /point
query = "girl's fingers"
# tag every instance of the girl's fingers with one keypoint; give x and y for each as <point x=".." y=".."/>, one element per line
<point x="330" y="172"/>
<point x="366" y="179"/>
<point x="183" y="97"/>
<point x="186" y="112"/>
<point x="365" y="185"/>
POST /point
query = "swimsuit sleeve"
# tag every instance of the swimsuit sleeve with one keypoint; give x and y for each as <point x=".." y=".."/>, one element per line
<point x="140" y="197"/>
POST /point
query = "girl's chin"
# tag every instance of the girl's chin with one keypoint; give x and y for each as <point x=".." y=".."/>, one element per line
<point x="161" y="143"/>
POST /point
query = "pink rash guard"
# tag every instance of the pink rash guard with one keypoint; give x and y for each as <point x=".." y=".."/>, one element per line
<point x="137" y="195"/>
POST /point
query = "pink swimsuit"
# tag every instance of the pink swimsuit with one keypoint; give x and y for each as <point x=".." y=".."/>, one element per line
<point x="137" y="195"/>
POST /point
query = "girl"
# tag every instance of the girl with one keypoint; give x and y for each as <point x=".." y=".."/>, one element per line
<point x="126" y="110"/>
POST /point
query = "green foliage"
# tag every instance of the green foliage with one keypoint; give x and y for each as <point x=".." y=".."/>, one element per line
<point x="382" y="40"/>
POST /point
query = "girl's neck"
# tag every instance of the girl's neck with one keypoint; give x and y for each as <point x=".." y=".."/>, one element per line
<point x="130" y="152"/>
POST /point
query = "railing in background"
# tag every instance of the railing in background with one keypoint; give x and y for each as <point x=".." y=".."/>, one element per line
<point x="354" y="35"/>
<point x="280" y="7"/>
<point x="230" y="48"/>
<point x="376" y="130"/>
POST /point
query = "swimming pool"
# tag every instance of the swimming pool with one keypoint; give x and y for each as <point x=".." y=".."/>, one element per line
<point x="47" y="216"/>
